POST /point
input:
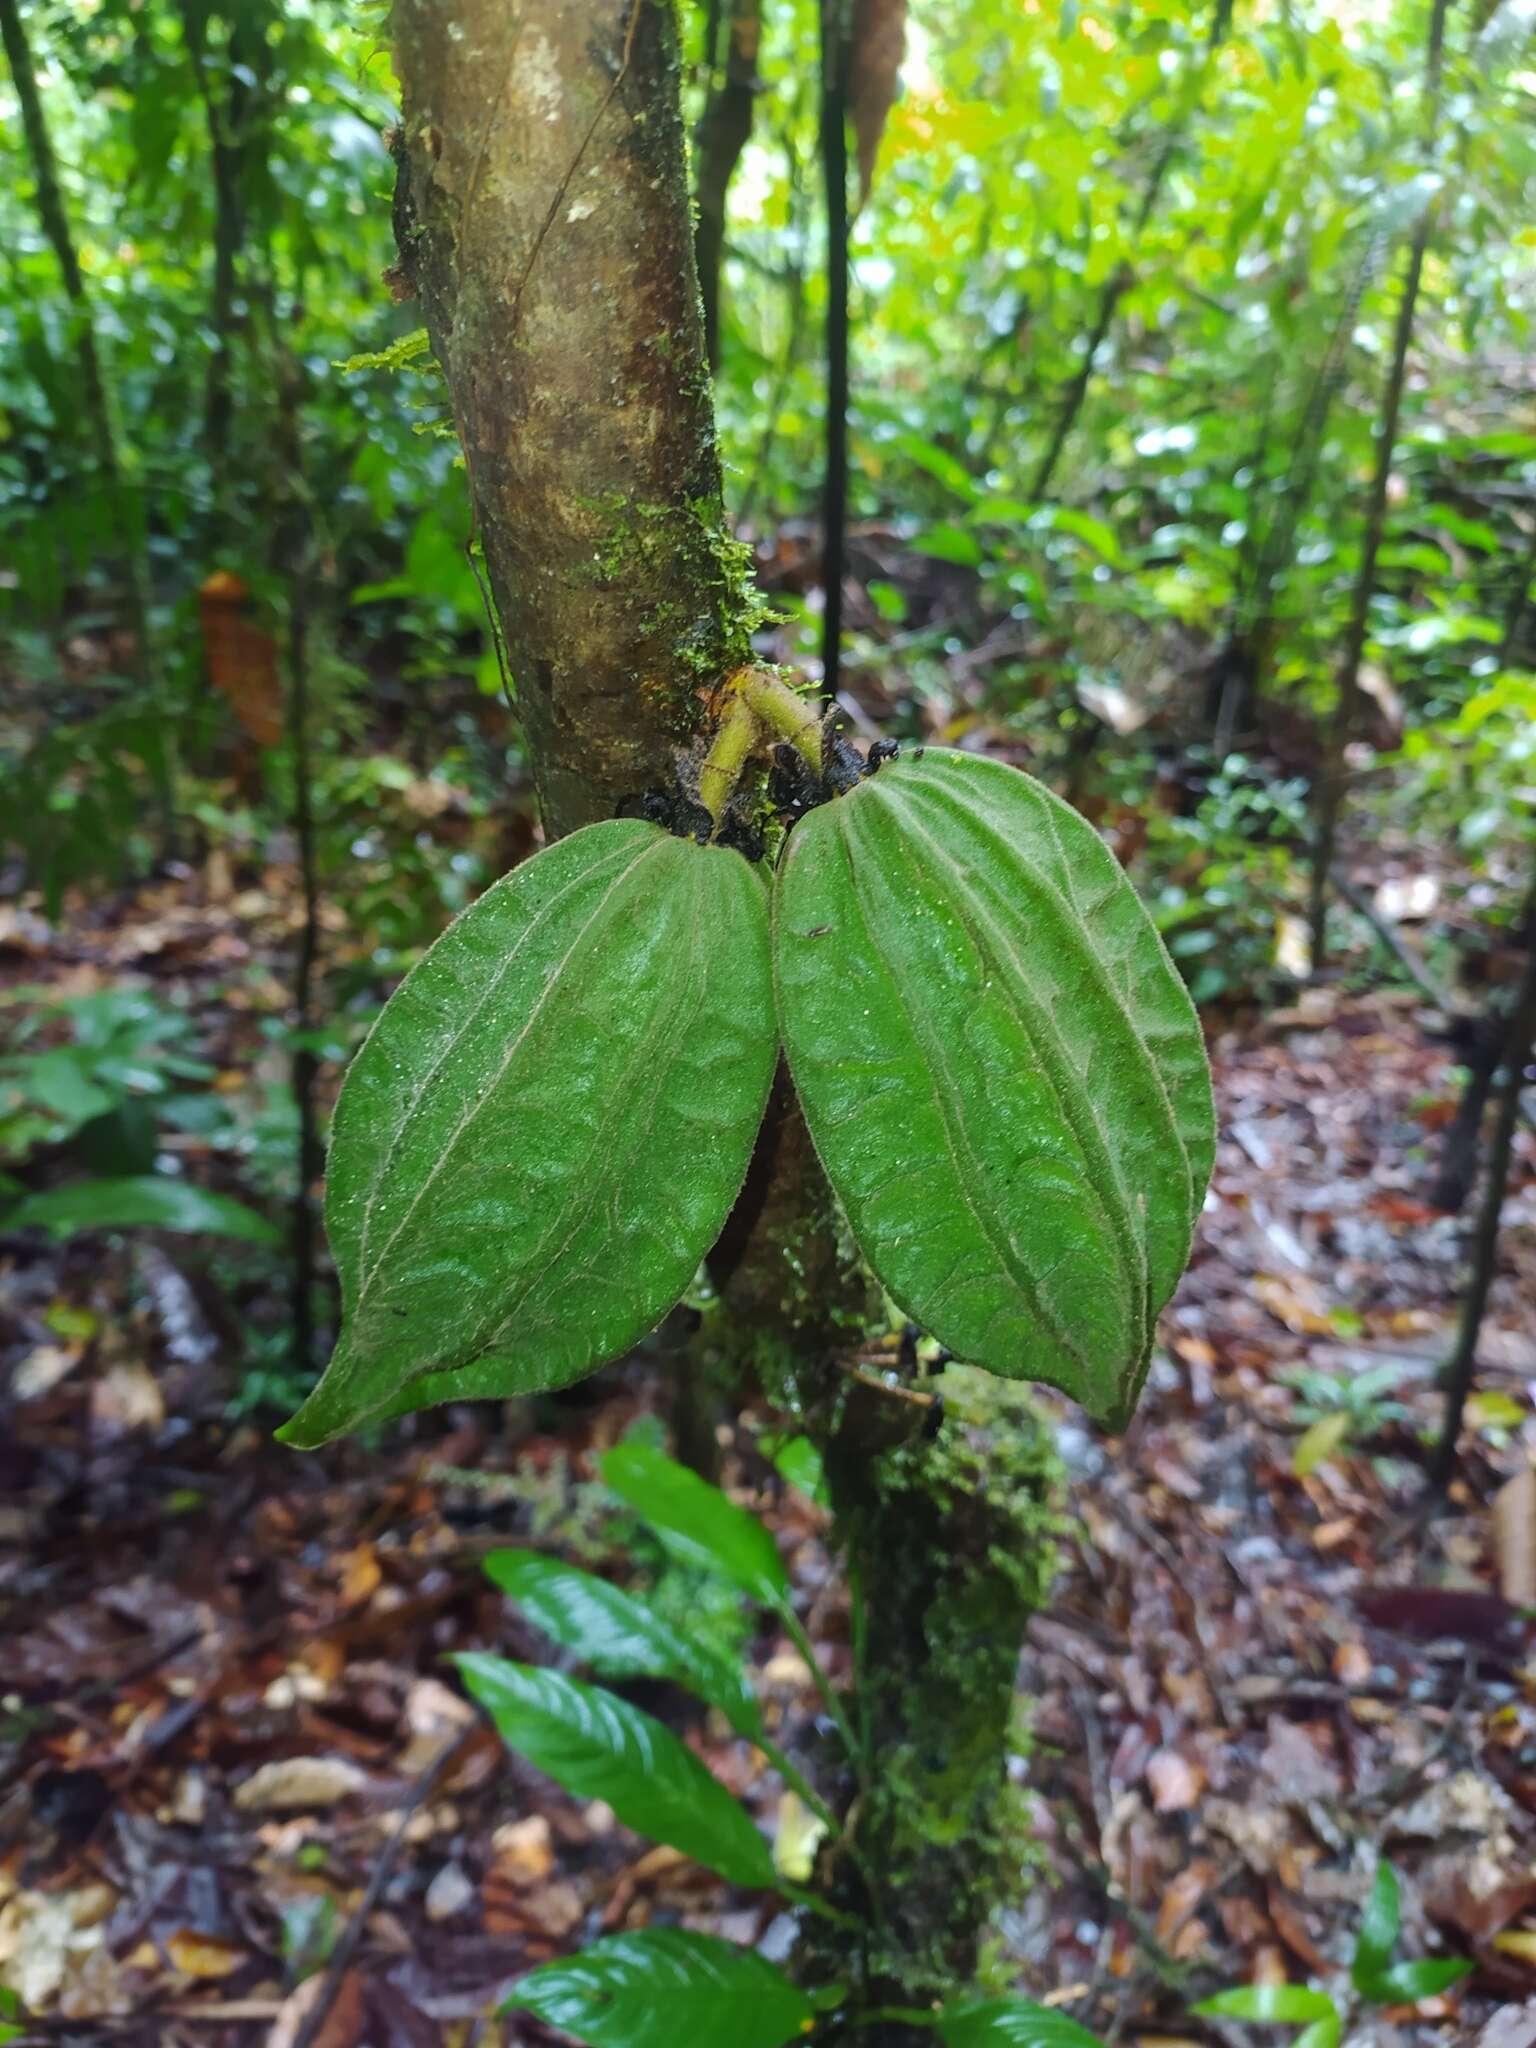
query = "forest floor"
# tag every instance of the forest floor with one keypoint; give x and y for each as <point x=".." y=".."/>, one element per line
<point x="236" y="1783"/>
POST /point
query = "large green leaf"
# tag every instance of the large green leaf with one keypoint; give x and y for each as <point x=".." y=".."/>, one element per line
<point x="1010" y="2023"/>
<point x="546" y="1127"/>
<point x="664" y="1987"/>
<point x="141" y="1202"/>
<point x="600" y="1747"/>
<point x="700" y="1522"/>
<point x="1002" y="1072"/>
<point x="619" y="1636"/>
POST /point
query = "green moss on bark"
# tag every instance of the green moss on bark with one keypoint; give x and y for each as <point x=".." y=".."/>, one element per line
<point x="952" y="1545"/>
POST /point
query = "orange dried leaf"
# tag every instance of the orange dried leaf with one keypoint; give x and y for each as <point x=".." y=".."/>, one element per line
<point x="241" y="658"/>
<point x="204" y="1955"/>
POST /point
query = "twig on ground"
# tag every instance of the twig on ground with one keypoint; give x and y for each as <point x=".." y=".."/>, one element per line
<point x="347" y="1947"/>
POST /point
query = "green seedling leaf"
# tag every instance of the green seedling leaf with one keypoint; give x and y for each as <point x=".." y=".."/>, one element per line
<point x="1320" y="1441"/>
<point x="1010" y="2023"/>
<point x="703" y="1525"/>
<point x="1326" y="2033"/>
<point x="797" y="1460"/>
<point x="600" y="1747"/>
<point x="547" y="1125"/>
<point x="619" y="1636"/>
<point x="663" y="1987"/>
<point x="1002" y="1072"/>
<point x="1406" y="1983"/>
<point x="1379" y="1925"/>
<point x="1268" y="2002"/>
<point x="143" y="1202"/>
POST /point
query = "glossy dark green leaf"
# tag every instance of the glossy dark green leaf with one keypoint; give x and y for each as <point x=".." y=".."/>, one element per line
<point x="600" y="1747"/>
<point x="1406" y="1983"/>
<point x="664" y="1987"/>
<point x="618" y="1635"/>
<point x="547" y="1125"/>
<point x="1010" y="2023"/>
<point x="1002" y="1072"/>
<point x="1268" y="2002"/>
<point x="144" y="1202"/>
<point x="1379" y="1926"/>
<point x="702" y="1524"/>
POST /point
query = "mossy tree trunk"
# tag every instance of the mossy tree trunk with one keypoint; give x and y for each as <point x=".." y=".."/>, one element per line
<point x="542" y="214"/>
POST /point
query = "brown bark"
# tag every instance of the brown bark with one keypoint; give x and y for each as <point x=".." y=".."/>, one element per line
<point x="723" y="134"/>
<point x="1518" y="1040"/>
<point x="542" y="215"/>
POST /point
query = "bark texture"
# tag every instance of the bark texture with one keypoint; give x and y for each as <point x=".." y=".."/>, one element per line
<point x="951" y="1545"/>
<point x="542" y="215"/>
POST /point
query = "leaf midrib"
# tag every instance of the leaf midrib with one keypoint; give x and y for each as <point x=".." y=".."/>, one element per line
<point x="1025" y="1280"/>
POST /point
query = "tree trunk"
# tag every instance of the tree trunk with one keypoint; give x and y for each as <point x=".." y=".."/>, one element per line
<point x="949" y="1539"/>
<point x="1330" y="802"/>
<point x="231" y="117"/>
<point x="1519" y="1037"/>
<point x="95" y="389"/>
<point x="836" y="48"/>
<point x="543" y="215"/>
<point x="723" y="133"/>
<point x="1116" y="286"/>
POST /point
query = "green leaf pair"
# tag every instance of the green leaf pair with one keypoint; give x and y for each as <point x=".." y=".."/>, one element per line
<point x="1372" y="1971"/>
<point x="1002" y="1073"/>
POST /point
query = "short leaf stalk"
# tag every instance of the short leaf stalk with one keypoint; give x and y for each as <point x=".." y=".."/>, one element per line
<point x="758" y="707"/>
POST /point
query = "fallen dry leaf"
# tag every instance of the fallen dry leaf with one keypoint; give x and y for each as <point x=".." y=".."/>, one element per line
<point x="343" y="2026"/>
<point x="1176" y="1783"/>
<point x="295" y="1781"/>
<point x="126" y="1397"/>
<point x="524" y="1849"/>
<point x="449" y="1893"/>
<point x="1514" y="1537"/>
<point x="1512" y="2026"/>
<point x="204" y="1955"/>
